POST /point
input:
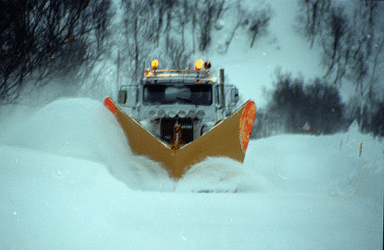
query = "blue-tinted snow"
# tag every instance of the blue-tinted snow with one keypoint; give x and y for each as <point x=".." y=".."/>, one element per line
<point x="69" y="181"/>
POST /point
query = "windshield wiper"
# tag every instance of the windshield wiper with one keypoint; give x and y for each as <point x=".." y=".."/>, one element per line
<point x="185" y="100"/>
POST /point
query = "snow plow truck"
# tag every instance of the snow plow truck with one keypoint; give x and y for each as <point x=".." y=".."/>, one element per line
<point x="180" y="117"/>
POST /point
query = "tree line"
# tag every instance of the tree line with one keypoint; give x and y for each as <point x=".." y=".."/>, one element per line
<point x="351" y="36"/>
<point x="351" y="40"/>
<point x="65" y="41"/>
<point x="296" y="104"/>
<point x="70" y="41"/>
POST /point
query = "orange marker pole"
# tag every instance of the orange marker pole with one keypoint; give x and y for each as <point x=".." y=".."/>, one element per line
<point x="361" y="148"/>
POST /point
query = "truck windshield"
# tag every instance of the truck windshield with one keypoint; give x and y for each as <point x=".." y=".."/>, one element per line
<point x="181" y="94"/>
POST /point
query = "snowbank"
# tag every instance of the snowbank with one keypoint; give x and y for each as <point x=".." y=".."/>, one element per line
<point x="318" y="164"/>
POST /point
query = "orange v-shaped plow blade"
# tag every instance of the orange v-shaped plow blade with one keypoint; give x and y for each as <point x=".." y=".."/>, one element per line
<point x="229" y="138"/>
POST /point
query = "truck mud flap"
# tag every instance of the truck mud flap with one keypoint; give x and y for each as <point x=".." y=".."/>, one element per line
<point x="229" y="138"/>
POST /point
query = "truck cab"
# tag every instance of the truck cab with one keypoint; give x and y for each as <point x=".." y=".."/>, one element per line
<point x="193" y="101"/>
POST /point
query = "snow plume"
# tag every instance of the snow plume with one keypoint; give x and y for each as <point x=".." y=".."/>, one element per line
<point x="84" y="129"/>
<point x="219" y="174"/>
<point x="139" y="172"/>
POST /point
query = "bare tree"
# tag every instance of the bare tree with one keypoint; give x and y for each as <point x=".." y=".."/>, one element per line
<point x="241" y="19"/>
<point x="316" y="11"/>
<point x="208" y="15"/>
<point x="161" y="10"/>
<point x="259" y="23"/>
<point x="183" y="17"/>
<point x="136" y="23"/>
<point x="367" y="47"/>
<point x="179" y="58"/>
<point x="98" y="42"/>
<point x="194" y="11"/>
<point x="43" y="40"/>
<point x="338" y="24"/>
<point x="169" y="6"/>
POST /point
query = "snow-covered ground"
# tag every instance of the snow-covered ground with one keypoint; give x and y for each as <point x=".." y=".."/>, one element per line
<point x="69" y="181"/>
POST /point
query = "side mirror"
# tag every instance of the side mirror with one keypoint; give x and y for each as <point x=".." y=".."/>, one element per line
<point x="127" y="95"/>
<point x="226" y="96"/>
<point x="234" y="95"/>
<point x="231" y="95"/>
<point x="122" y="97"/>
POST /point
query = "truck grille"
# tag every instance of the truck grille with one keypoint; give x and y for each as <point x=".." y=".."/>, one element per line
<point x="186" y="129"/>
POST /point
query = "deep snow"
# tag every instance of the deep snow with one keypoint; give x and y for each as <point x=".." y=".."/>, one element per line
<point x="69" y="181"/>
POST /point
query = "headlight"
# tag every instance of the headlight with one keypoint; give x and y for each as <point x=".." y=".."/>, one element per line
<point x="192" y="114"/>
<point x="181" y="113"/>
<point x="200" y="114"/>
<point x="161" y="113"/>
<point x="172" y="113"/>
<point x="151" y="115"/>
<point x="205" y="129"/>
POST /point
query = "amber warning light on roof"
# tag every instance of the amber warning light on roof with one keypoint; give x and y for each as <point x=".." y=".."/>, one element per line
<point x="198" y="64"/>
<point x="155" y="64"/>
